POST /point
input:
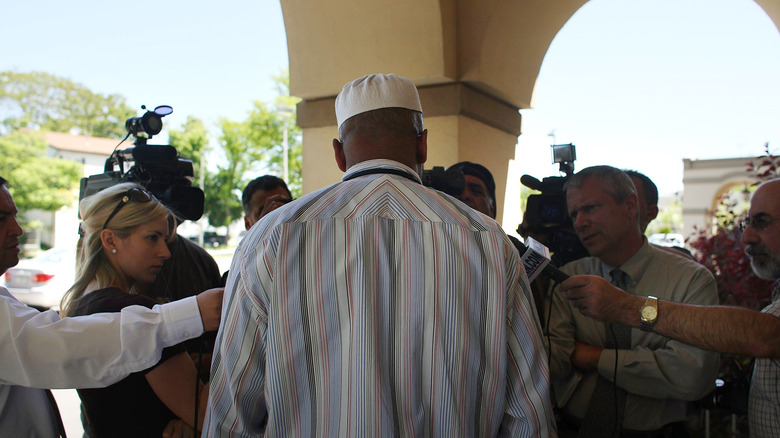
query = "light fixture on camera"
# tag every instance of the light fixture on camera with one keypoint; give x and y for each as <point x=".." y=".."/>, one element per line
<point x="149" y="124"/>
<point x="564" y="155"/>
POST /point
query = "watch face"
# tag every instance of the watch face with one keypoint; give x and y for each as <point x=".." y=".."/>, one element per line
<point x="649" y="313"/>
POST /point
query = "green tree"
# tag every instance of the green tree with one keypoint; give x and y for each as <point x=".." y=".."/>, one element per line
<point x="269" y="122"/>
<point x="223" y="188"/>
<point x="37" y="181"/>
<point x="43" y="101"/>
<point x="192" y="143"/>
<point x="251" y="148"/>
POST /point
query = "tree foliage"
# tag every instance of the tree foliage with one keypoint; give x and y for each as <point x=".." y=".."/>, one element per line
<point x="37" y="181"/>
<point x="191" y="142"/>
<point x="42" y="101"/>
<point x="223" y="202"/>
<point x="251" y="148"/>
<point x="267" y="130"/>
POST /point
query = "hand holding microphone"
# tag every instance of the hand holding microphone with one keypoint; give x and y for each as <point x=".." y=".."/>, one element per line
<point x="593" y="296"/>
<point x="536" y="260"/>
<point x="596" y="298"/>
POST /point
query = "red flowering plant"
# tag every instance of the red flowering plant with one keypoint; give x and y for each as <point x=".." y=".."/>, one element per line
<point x="719" y="247"/>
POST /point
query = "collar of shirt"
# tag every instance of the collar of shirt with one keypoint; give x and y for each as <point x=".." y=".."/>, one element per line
<point x="378" y="165"/>
<point x="633" y="267"/>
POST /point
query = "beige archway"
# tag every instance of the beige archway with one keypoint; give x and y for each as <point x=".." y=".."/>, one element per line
<point x="705" y="182"/>
<point x="476" y="63"/>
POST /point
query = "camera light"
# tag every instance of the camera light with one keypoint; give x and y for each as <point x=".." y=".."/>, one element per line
<point x="150" y="124"/>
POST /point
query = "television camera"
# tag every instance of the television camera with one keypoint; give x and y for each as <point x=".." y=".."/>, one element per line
<point x="546" y="216"/>
<point x="450" y="181"/>
<point x="157" y="168"/>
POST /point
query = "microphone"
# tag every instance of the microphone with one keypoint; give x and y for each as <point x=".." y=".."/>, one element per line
<point x="531" y="182"/>
<point x="536" y="260"/>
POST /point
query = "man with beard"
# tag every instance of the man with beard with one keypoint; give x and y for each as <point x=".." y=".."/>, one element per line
<point x="719" y="328"/>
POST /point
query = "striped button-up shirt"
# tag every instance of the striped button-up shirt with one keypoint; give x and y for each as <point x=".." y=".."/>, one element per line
<point x="764" y="400"/>
<point x="378" y="307"/>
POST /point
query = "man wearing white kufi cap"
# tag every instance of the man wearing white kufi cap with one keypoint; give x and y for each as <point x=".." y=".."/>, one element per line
<point x="377" y="306"/>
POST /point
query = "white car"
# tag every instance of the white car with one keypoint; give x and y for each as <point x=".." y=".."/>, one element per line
<point x="662" y="239"/>
<point x="41" y="281"/>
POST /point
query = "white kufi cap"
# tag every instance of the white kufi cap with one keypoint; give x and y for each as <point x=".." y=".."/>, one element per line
<point x="375" y="92"/>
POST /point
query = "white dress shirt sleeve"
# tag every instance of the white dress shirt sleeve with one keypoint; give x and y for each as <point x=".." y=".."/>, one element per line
<point x="40" y="349"/>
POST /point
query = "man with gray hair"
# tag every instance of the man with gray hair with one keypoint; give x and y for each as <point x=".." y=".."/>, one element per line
<point x="726" y="329"/>
<point x="377" y="306"/>
<point x="610" y="379"/>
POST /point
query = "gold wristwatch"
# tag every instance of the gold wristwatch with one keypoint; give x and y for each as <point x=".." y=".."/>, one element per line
<point x="648" y="314"/>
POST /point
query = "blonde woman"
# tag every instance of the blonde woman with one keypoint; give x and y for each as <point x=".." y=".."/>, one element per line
<point x="123" y="244"/>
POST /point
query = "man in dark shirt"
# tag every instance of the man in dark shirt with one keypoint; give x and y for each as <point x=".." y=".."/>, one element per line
<point x="263" y="195"/>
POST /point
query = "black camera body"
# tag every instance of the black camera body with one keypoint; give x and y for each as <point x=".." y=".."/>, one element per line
<point x="546" y="216"/>
<point x="450" y="181"/>
<point x="157" y="168"/>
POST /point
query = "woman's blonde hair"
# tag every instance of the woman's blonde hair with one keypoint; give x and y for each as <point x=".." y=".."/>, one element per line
<point x="91" y="261"/>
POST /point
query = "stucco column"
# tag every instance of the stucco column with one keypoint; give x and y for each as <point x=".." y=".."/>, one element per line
<point x="464" y="124"/>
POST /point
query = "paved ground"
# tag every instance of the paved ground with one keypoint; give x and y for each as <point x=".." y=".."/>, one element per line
<point x="68" y="402"/>
<point x="68" y="399"/>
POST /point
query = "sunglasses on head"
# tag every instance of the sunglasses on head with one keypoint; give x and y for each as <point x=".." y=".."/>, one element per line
<point x="134" y="194"/>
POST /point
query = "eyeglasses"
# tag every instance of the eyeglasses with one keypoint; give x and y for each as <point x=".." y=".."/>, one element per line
<point x="760" y="221"/>
<point x="134" y="194"/>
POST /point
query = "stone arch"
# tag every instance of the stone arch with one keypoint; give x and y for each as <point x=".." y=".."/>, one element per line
<point x="733" y="183"/>
<point x="514" y="43"/>
<point x="705" y="182"/>
<point x="476" y="64"/>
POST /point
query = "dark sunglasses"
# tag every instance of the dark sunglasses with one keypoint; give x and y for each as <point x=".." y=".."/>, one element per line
<point x="134" y="194"/>
<point x="760" y="221"/>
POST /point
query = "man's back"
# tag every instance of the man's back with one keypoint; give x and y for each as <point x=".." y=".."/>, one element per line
<point x="378" y="307"/>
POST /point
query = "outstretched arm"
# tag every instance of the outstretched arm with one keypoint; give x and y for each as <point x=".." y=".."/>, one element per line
<point x="210" y="306"/>
<point x="39" y="349"/>
<point x="724" y="329"/>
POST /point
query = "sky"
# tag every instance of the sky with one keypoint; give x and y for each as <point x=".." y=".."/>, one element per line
<point x="636" y="84"/>
<point x="643" y="84"/>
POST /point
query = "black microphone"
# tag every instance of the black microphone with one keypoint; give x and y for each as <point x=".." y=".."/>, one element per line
<point x="536" y="260"/>
<point x="531" y="182"/>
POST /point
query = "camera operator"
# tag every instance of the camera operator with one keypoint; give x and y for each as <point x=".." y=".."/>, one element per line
<point x="38" y="349"/>
<point x="717" y="328"/>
